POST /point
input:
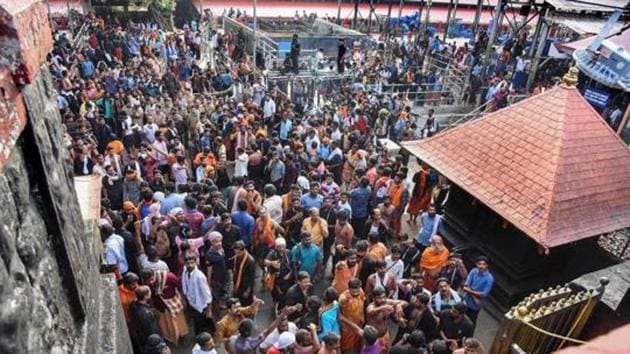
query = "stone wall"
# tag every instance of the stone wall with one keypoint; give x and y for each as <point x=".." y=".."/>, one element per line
<point x="52" y="297"/>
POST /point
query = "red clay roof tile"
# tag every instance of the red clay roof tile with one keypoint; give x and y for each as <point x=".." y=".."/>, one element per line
<point x="549" y="164"/>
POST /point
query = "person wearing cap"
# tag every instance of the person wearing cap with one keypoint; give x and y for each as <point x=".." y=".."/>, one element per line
<point x="284" y="344"/>
<point x="216" y="268"/>
<point x="278" y="263"/>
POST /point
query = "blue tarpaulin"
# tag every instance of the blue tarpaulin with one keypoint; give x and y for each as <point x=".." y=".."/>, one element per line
<point x="406" y="21"/>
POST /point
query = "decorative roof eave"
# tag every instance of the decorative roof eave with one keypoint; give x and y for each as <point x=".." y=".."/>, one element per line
<point x="423" y="155"/>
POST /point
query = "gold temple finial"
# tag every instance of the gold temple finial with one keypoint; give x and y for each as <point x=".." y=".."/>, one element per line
<point x="570" y="79"/>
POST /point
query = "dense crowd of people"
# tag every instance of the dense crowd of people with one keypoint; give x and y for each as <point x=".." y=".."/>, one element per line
<point x="211" y="198"/>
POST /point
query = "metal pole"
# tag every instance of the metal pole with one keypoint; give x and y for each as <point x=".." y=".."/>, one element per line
<point x="427" y="14"/>
<point x="539" y="24"/>
<point x="454" y="15"/>
<point x="48" y="8"/>
<point x="448" y="20"/>
<point x="420" y="8"/>
<point x="475" y="26"/>
<point x="544" y="31"/>
<point x="622" y="125"/>
<point x="254" y="30"/>
<point x="490" y="47"/>
<point x="356" y="13"/>
<point x="402" y="3"/>
<point x="339" y="12"/>
<point x="370" y="17"/>
<point x="389" y="16"/>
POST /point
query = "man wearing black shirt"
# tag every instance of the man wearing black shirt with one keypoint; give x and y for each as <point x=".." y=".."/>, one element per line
<point x="455" y="326"/>
<point x="295" y="53"/>
<point x="297" y="295"/>
<point x="328" y="213"/>
<point x="244" y="274"/>
<point x="341" y="52"/>
<point x="278" y="263"/>
<point x="414" y="343"/>
<point x="231" y="233"/>
<point x="216" y="269"/>
<point x="419" y="317"/>
<point x="144" y="322"/>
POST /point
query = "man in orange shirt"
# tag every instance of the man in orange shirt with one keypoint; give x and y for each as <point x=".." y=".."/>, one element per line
<point x="399" y="197"/>
<point x="376" y="250"/>
<point x="317" y="227"/>
<point x="127" y="292"/>
<point x="351" y="306"/>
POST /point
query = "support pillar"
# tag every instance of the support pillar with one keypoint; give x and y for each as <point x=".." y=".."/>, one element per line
<point x="493" y="36"/>
<point x="356" y="13"/>
<point x="389" y="17"/>
<point x="370" y="16"/>
<point x="448" y="20"/>
<point x="339" y="12"/>
<point x="540" y="47"/>
<point x="427" y="15"/>
<point x="475" y="25"/>
<point x="400" y="8"/>
<point x="623" y="123"/>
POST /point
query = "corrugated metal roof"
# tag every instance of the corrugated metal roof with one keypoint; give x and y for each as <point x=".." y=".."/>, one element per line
<point x="584" y="25"/>
<point x="587" y="5"/>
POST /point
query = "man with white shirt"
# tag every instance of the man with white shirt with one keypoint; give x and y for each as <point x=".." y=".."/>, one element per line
<point x="269" y="109"/>
<point x="114" y="249"/>
<point x="240" y="165"/>
<point x="160" y="151"/>
<point x="273" y="203"/>
<point x="195" y="288"/>
<point x="284" y="326"/>
<point x="149" y="129"/>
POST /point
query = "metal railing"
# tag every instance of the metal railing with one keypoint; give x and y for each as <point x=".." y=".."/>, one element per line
<point x="264" y="43"/>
